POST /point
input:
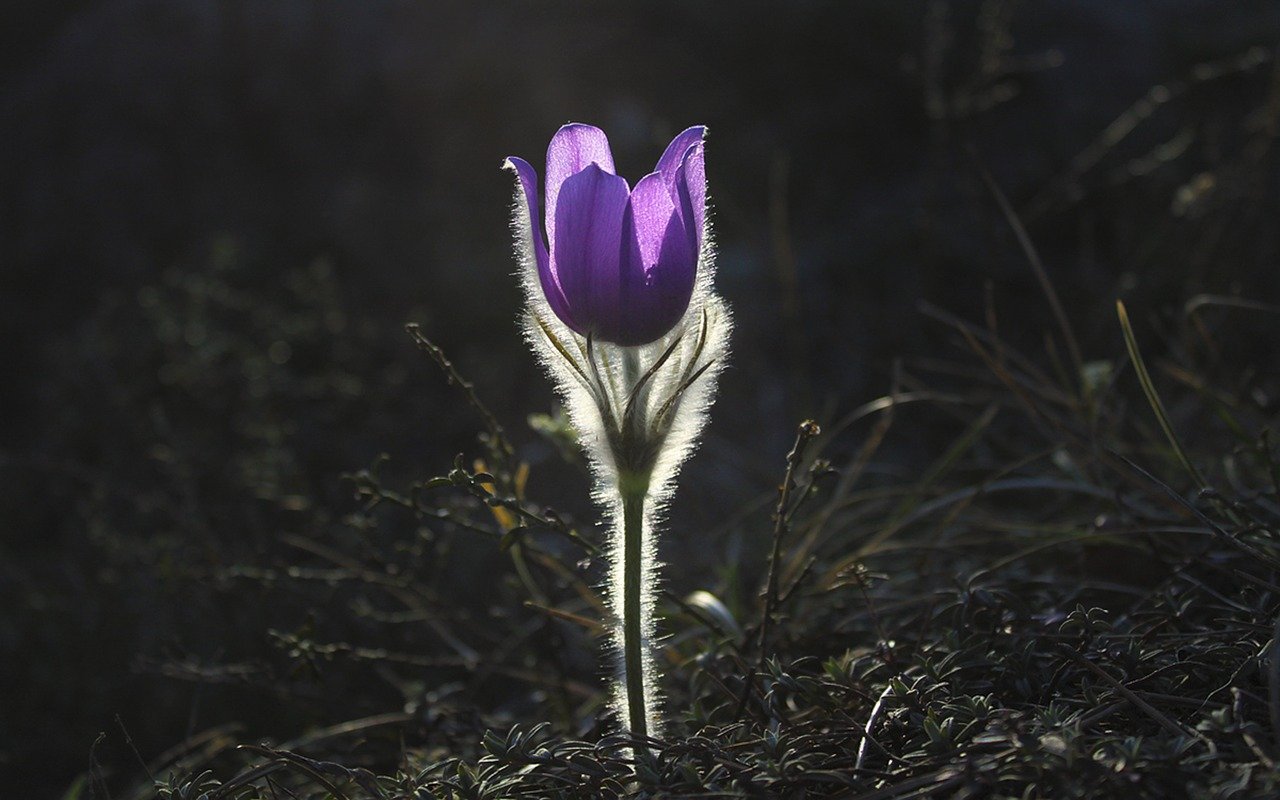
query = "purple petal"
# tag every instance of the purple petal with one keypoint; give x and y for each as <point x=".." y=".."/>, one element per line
<point x="674" y="154"/>
<point x="574" y="147"/>
<point x="659" y="265"/>
<point x="650" y="213"/>
<point x="528" y="178"/>
<point x="588" y="233"/>
<point x="691" y="192"/>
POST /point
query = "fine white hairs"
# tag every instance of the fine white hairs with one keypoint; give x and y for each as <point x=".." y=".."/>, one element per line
<point x="638" y="412"/>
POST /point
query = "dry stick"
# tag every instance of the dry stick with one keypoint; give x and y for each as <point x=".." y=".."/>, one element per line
<point x="931" y="784"/>
<point x="497" y="436"/>
<point x="1037" y="381"/>
<point x="591" y="626"/>
<point x="1217" y="530"/>
<point x="299" y="763"/>
<point x="412" y="599"/>
<point x="347" y="728"/>
<point x="1250" y="740"/>
<point x="246" y="778"/>
<point x="129" y="741"/>
<point x="1166" y="722"/>
<point x="501" y="450"/>
<point x="807" y="432"/>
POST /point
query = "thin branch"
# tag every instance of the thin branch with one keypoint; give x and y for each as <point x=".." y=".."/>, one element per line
<point x="808" y="431"/>
<point x="498" y="442"/>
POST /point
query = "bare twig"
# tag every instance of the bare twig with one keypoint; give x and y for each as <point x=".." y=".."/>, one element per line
<point x="497" y="441"/>
<point x="808" y="431"/>
<point x="1163" y="720"/>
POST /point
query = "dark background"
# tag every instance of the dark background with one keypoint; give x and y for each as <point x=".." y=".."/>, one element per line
<point x="215" y="218"/>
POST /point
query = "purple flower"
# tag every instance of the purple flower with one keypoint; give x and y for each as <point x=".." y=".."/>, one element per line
<point x="618" y="263"/>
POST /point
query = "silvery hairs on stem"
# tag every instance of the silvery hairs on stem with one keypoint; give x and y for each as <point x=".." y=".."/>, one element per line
<point x="638" y="407"/>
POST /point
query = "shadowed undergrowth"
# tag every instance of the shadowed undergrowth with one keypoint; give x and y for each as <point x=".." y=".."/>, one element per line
<point x="1076" y="598"/>
<point x="1043" y="564"/>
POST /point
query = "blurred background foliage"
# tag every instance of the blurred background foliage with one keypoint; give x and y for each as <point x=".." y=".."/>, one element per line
<point x="216" y="218"/>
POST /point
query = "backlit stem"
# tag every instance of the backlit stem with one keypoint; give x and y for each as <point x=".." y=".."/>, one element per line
<point x="633" y="623"/>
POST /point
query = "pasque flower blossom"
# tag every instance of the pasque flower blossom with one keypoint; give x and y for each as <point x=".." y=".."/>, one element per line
<point x="621" y="313"/>
<point x="617" y="263"/>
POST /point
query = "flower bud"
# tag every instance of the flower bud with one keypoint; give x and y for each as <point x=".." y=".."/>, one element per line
<point x="617" y="263"/>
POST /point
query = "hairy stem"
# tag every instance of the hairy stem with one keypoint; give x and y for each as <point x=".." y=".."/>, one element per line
<point x="633" y="623"/>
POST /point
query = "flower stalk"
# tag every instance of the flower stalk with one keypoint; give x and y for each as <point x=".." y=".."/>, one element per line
<point x="633" y="639"/>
